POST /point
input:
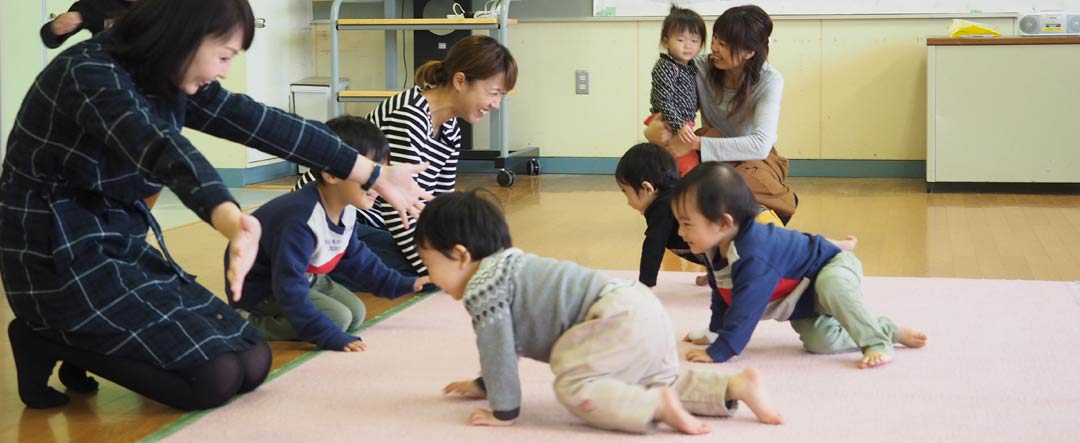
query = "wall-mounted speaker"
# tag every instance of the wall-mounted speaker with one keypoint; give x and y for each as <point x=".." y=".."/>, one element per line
<point x="435" y="44"/>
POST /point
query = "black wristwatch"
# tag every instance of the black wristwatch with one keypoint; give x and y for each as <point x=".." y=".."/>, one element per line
<point x="371" y="178"/>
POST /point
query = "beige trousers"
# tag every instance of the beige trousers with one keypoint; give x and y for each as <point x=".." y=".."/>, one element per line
<point x="619" y="357"/>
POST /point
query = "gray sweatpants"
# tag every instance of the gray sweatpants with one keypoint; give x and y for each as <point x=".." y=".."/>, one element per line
<point x="620" y="356"/>
<point x="844" y="323"/>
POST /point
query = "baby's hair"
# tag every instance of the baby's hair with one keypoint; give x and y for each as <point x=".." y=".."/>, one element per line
<point x="646" y="162"/>
<point x="681" y="20"/>
<point x="362" y="135"/>
<point x="717" y="189"/>
<point x="472" y="219"/>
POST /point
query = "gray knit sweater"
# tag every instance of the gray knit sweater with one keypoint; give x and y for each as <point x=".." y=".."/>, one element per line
<point x="520" y="305"/>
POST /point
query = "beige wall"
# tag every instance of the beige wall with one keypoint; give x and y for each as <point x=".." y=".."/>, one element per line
<point x="219" y="152"/>
<point x="854" y="88"/>
<point x="19" y="62"/>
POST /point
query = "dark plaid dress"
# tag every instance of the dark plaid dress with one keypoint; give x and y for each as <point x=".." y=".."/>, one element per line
<point x="86" y="148"/>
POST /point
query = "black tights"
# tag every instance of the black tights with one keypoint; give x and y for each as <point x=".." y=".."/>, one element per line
<point x="207" y="385"/>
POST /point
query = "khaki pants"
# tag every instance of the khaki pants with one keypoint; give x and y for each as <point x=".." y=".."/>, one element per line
<point x="620" y="356"/>
<point x="343" y="307"/>
<point x="767" y="180"/>
<point x="845" y="324"/>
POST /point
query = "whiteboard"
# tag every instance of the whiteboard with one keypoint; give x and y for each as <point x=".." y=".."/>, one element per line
<point x="648" y="8"/>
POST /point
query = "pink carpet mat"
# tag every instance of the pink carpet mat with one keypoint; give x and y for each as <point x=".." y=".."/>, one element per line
<point x="1002" y="364"/>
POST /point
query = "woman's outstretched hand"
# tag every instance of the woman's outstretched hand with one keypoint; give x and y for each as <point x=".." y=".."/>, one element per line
<point x="243" y="232"/>
<point x="397" y="185"/>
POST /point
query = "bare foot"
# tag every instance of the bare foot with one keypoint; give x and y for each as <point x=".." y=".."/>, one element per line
<point x="912" y="338"/>
<point x="873" y="358"/>
<point x="847" y="244"/>
<point x="672" y="413"/>
<point x="701" y="280"/>
<point x="746" y="387"/>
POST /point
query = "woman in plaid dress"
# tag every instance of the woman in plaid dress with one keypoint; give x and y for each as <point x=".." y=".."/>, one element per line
<point x="97" y="133"/>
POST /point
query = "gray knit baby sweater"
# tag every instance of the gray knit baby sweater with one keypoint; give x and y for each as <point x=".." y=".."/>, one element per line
<point x="520" y="305"/>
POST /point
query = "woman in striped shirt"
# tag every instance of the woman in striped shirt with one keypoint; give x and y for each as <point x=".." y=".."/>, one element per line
<point x="422" y="125"/>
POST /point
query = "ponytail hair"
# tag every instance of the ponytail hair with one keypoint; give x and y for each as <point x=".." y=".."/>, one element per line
<point x="432" y="74"/>
<point x="479" y="57"/>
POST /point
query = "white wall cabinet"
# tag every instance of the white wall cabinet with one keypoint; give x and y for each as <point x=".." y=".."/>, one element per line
<point x="1003" y="110"/>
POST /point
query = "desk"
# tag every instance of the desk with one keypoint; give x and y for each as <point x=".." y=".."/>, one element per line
<point x="1003" y="110"/>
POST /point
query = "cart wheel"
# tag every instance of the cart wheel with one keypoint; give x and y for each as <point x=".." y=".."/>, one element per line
<point x="505" y="178"/>
<point x="534" y="166"/>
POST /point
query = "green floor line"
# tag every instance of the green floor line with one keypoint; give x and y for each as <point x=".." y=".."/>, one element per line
<point x="192" y="417"/>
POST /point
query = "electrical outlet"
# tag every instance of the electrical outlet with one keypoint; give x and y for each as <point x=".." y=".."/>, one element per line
<point x="581" y="82"/>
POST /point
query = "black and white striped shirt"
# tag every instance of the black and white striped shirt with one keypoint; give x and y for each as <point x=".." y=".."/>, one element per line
<point x="405" y="119"/>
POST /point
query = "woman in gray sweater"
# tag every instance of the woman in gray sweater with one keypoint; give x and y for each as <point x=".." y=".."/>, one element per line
<point x="740" y="96"/>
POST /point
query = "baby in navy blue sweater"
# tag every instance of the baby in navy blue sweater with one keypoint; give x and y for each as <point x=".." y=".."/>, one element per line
<point x="646" y="175"/>
<point x="761" y="272"/>
<point x="306" y="235"/>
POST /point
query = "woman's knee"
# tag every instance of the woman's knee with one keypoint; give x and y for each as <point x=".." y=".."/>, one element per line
<point x="226" y="375"/>
<point x="215" y="382"/>
<point x="255" y="363"/>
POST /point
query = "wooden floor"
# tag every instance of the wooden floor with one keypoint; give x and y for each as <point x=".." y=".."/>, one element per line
<point x="902" y="232"/>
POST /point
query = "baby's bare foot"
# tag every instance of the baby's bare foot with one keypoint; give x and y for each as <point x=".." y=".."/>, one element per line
<point x="912" y="338"/>
<point x="701" y="280"/>
<point x="672" y="412"/>
<point x="746" y="387"/>
<point x="874" y="358"/>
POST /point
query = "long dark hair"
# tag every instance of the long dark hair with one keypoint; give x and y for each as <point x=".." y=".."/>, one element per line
<point x="157" y="39"/>
<point x="742" y="28"/>
<point x="478" y="57"/>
